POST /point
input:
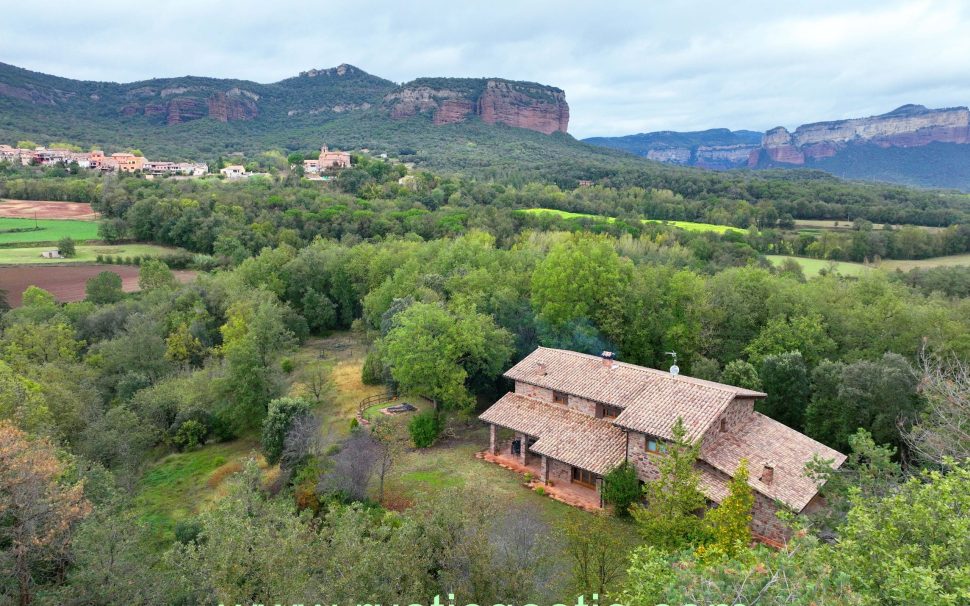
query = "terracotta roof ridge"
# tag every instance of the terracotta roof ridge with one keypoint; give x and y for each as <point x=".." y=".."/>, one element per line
<point x="657" y="372"/>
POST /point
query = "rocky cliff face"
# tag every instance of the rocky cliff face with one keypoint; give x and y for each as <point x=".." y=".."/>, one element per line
<point x="717" y="148"/>
<point x="184" y="104"/>
<point x="519" y="104"/>
<point x="907" y="126"/>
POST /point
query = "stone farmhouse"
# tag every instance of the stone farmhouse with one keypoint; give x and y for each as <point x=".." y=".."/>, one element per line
<point x="328" y="160"/>
<point x="574" y="417"/>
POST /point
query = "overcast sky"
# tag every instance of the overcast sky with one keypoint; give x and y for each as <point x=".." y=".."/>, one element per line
<point x="626" y="67"/>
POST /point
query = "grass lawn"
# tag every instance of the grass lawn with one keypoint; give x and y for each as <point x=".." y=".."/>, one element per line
<point x="86" y="253"/>
<point x="688" y="225"/>
<point x="181" y="484"/>
<point x="50" y="230"/>
<point x="906" y="265"/>
<point x="812" y="267"/>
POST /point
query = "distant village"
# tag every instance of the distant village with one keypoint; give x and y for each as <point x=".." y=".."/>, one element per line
<point x="315" y="169"/>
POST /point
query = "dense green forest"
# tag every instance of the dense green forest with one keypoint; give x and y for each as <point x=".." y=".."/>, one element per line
<point x="448" y="285"/>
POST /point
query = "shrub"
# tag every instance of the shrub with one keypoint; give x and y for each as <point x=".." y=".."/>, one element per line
<point x="286" y="365"/>
<point x="354" y="424"/>
<point x="66" y="248"/>
<point x="425" y="429"/>
<point x="190" y="434"/>
<point x="279" y="419"/>
<point x="373" y="371"/>
<point x="621" y="488"/>
<point x="187" y="531"/>
<point x="99" y="258"/>
<point x="540" y="490"/>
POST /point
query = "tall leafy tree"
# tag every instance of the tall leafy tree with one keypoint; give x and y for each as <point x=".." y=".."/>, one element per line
<point x="669" y="519"/>
<point x="785" y="380"/>
<point x="729" y="524"/>
<point x="39" y="512"/>
<point x="580" y="278"/>
<point x="434" y="352"/>
<point x="104" y="288"/>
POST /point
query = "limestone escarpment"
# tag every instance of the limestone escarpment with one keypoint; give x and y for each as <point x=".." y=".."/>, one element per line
<point x="717" y="148"/>
<point x="176" y="105"/>
<point x="452" y="100"/>
<point x="907" y="126"/>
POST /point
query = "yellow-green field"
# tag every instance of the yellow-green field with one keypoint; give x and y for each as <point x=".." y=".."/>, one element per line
<point x="810" y="225"/>
<point x="688" y="225"/>
<point x="812" y="267"/>
<point x="906" y="265"/>
<point x="86" y="253"/>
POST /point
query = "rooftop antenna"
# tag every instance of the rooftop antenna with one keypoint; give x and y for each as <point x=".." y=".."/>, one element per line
<point x="674" y="369"/>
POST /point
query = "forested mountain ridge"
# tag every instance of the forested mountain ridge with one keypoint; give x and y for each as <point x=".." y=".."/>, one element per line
<point x="203" y="116"/>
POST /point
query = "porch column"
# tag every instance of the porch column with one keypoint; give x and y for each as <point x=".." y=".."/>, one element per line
<point x="544" y="470"/>
<point x="599" y="490"/>
<point x="492" y="447"/>
<point x="522" y="442"/>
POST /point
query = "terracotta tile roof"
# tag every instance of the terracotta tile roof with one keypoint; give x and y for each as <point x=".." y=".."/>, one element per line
<point x="761" y="440"/>
<point x="652" y="399"/>
<point x="714" y="485"/>
<point x="565" y="435"/>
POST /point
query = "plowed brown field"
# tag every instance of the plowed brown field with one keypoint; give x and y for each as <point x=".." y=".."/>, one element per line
<point x="42" y="209"/>
<point x="66" y="282"/>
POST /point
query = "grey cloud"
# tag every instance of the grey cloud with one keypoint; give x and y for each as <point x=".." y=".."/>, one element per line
<point x="626" y="66"/>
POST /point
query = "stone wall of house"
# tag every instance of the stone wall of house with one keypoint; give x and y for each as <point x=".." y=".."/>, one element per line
<point x="764" y="520"/>
<point x="582" y="405"/>
<point x="531" y="391"/>
<point x="643" y="461"/>
<point x="734" y="415"/>
<point x="559" y="472"/>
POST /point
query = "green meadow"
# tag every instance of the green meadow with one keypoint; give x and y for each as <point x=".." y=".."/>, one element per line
<point x="86" y="253"/>
<point x="688" y="225"/>
<point x="45" y="230"/>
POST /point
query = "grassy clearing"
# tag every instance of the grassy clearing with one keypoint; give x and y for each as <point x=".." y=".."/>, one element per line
<point x="688" y="225"/>
<point x="812" y="267"/>
<point x="86" y="253"/>
<point x="180" y="485"/>
<point x="819" y="225"/>
<point x="906" y="265"/>
<point x="50" y="230"/>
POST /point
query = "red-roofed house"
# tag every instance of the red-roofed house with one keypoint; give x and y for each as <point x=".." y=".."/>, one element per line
<point x="575" y="417"/>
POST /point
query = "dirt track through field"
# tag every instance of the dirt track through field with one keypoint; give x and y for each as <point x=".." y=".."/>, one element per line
<point x="66" y="282"/>
<point x="29" y="209"/>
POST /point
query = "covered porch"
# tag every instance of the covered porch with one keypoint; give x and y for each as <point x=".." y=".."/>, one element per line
<point x="555" y="477"/>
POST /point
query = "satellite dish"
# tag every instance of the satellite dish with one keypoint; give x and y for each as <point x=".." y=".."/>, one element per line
<point x="675" y="370"/>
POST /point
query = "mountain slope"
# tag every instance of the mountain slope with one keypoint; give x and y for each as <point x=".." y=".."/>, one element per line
<point x="342" y="106"/>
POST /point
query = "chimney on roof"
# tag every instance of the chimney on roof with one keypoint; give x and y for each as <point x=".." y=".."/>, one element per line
<point x="608" y="358"/>
<point x="768" y="472"/>
<point x="541" y="368"/>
